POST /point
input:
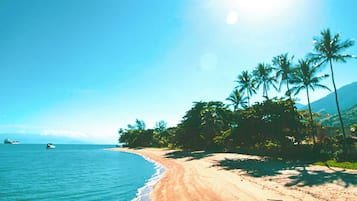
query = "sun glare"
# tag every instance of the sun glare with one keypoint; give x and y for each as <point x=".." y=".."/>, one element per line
<point x="232" y="17"/>
<point x="256" y="10"/>
<point x="263" y="5"/>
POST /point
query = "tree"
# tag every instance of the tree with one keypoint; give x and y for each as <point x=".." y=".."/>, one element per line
<point x="305" y="78"/>
<point x="327" y="49"/>
<point x="202" y="124"/>
<point x="262" y="73"/>
<point x="139" y="125"/>
<point x="160" y="126"/>
<point x="215" y="119"/>
<point x="161" y="135"/>
<point x="283" y="67"/>
<point x="273" y="120"/>
<point x="237" y="100"/>
<point x="136" y="135"/>
<point x="246" y="84"/>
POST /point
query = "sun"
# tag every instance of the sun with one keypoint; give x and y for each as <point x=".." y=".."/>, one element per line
<point x="232" y="17"/>
<point x="253" y="11"/>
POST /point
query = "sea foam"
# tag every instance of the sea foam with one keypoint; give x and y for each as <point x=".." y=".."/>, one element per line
<point x="143" y="193"/>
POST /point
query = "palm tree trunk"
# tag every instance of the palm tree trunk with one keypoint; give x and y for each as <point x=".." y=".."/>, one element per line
<point x="311" y="118"/>
<point x="338" y="107"/>
<point x="248" y="98"/>
<point x="265" y="91"/>
<point x="287" y="86"/>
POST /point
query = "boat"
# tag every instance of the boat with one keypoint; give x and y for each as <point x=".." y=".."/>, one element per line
<point x="9" y="141"/>
<point x="50" y="146"/>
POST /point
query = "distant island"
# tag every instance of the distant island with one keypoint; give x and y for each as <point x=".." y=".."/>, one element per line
<point x="29" y="138"/>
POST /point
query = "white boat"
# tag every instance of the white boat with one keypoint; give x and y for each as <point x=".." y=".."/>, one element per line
<point x="50" y="146"/>
<point x="9" y="141"/>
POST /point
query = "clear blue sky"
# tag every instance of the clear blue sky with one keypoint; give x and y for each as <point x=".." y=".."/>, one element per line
<point x="86" y="68"/>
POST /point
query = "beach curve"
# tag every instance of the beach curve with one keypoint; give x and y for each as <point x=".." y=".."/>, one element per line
<point x="205" y="177"/>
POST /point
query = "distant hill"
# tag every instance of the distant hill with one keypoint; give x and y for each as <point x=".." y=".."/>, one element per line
<point x="347" y="96"/>
<point x="40" y="139"/>
<point x="349" y="117"/>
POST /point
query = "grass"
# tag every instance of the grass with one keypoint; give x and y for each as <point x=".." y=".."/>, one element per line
<point x="334" y="163"/>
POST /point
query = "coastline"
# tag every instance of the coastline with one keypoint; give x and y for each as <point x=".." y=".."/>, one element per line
<point x="144" y="192"/>
<point x="230" y="176"/>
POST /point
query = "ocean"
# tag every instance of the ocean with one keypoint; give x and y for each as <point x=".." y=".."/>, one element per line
<point x="74" y="172"/>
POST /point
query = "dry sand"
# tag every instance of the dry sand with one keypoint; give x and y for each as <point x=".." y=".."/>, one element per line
<point x="230" y="177"/>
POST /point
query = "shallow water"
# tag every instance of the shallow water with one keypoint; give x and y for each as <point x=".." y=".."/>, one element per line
<point x="70" y="172"/>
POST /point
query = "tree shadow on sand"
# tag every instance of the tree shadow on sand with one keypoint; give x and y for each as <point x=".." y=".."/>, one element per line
<point x="319" y="177"/>
<point x="195" y="155"/>
<point x="259" y="167"/>
<point x="303" y="177"/>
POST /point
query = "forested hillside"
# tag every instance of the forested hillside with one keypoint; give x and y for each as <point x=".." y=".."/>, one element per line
<point x="349" y="117"/>
<point x="347" y="98"/>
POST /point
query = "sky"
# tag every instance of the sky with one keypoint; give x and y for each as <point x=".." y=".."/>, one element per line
<point x="85" y="68"/>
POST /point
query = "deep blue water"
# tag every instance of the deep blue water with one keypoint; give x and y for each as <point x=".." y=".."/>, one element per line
<point x="70" y="172"/>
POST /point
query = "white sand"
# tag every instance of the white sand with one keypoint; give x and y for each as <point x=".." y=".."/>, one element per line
<point x="227" y="176"/>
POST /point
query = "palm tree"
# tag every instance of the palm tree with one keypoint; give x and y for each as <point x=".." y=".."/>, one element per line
<point x="283" y="67"/>
<point x="329" y="48"/>
<point x="262" y="75"/>
<point x="237" y="99"/>
<point x="202" y="123"/>
<point x="305" y="78"/>
<point x="246" y="84"/>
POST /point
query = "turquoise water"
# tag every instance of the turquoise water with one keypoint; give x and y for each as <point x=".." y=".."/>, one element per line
<point x="72" y="172"/>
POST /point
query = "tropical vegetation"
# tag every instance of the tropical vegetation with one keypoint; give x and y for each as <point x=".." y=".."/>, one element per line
<point x="349" y="117"/>
<point x="305" y="78"/>
<point x="273" y="126"/>
<point x="329" y="48"/>
<point x="283" y="66"/>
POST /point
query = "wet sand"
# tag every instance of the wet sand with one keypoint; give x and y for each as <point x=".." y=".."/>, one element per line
<point x="230" y="176"/>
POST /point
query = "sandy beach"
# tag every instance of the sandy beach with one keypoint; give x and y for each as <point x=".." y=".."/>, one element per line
<point x="230" y="176"/>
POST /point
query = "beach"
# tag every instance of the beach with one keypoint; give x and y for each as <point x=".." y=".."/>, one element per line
<point x="231" y="176"/>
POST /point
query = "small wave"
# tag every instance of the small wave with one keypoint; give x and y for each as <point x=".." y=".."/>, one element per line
<point x="144" y="192"/>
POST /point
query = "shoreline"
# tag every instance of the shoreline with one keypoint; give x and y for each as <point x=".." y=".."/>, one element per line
<point x="143" y="193"/>
<point x="231" y="176"/>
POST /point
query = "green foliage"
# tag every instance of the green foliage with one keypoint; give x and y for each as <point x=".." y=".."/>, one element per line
<point x="334" y="163"/>
<point x="331" y="147"/>
<point x="139" y="125"/>
<point x="202" y="124"/>
<point x="162" y="134"/>
<point x="262" y="75"/>
<point x="246" y="84"/>
<point x="273" y="127"/>
<point x="348" y="99"/>
<point x="305" y="77"/>
<point x="328" y="49"/>
<point x="237" y="100"/>
<point x="354" y="129"/>
<point x="136" y="135"/>
<point x="283" y="67"/>
<point x="277" y="121"/>
<point x="349" y="117"/>
<point x="308" y="125"/>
